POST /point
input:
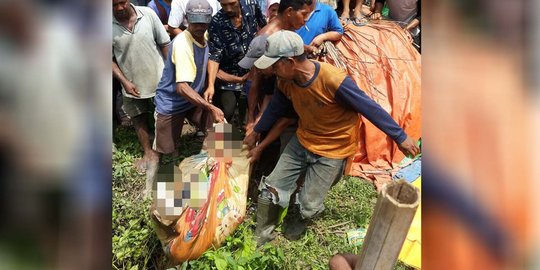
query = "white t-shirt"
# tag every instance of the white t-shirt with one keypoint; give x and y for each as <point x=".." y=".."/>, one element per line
<point x="177" y="16"/>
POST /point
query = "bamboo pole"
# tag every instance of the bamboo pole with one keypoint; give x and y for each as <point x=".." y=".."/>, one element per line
<point x="392" y="217"/>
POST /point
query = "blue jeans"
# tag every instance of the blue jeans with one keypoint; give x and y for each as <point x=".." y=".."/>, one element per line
<point x="320" y="174"/>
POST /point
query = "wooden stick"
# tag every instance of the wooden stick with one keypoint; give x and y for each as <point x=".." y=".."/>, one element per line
<point x="337" y="225"/>
<point x="392" y="217"/>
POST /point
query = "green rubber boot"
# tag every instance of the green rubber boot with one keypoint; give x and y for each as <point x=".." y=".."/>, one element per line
<point x="294" y="225"/>
<point x="267" y="218"/>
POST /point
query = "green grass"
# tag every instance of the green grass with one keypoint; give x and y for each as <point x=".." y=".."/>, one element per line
<point x="349" y="205"/>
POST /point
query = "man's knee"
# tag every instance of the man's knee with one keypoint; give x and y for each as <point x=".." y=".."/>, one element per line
<point x="268" y="192"/>
<point x="310" y="210"/>
<point x="140" y="120"/>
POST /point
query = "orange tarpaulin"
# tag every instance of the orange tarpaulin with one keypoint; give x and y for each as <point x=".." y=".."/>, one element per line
<point x="382" y="61"/>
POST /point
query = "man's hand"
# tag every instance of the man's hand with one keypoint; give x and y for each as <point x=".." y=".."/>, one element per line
<point x="254" y="154"/>
<point x="251" y="139"/>
<point x="317" y="41"/>
<point x="209" y="94"/>
<point x="309" y="49"/>
<point x="131" y="88"/>
<point x="245" y="77"/>
<point x="217" y="114"/>
<point x="409" y="147"/>
<point x="376" y="16"/>
<point x="249" y="127"/>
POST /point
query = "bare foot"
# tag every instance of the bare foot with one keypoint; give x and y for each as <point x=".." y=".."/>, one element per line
<point x="151" y="175"/>
<point x="345" y="15"/>
<point x="140" y="165"/>
<point x="358" y="14"/>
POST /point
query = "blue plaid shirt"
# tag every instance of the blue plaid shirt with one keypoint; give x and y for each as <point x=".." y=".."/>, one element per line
<point x="228" y="44"/>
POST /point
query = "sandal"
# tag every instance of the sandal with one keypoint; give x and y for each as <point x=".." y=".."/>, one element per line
<point x="359" y="21"/>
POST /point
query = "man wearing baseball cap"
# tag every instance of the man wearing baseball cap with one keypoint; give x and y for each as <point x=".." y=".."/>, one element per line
<point x="328" y="102"/>
<point x="179" y="92"/>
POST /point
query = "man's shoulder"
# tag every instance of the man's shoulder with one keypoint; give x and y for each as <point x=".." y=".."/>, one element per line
<point x="331" y="73"/>
<point x="219" y="18"/>
<point x="329" y="68"/>
<point x="326" y="10"/>
<point x="145" y="10"/>
<point x="181" y="39"/>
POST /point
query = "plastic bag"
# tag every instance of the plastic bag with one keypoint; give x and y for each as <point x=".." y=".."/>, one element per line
<point x="202" y="205"/>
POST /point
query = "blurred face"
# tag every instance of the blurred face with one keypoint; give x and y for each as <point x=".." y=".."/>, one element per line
<point x="284" y="68"/>
<point x="121" y="9"/>
<point x="197" y="30"/>
<point x="272" y="11"/>
<point x="230" y="7"/>
<point x="297" y="18"/>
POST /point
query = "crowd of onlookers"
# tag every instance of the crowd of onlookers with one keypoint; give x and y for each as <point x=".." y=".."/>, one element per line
<point x="152" y="75"/>
<point x="246" y="62"/>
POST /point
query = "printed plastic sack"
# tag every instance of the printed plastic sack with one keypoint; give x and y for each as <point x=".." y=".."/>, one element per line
<point x="205" y="200"/>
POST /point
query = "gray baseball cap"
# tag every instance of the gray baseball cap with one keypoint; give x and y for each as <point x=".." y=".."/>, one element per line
<point x="198" y="11"/>
<point x="256" y="50"/>
<point x="280" y="44"/>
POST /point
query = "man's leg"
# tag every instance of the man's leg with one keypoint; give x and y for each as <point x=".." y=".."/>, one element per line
<point x="263" y="167"/>
<point x="227" y="102"/>
<point x="200" y="118"/>
<point x="138" y="110"/>
<point x="167" y="135"/>
<point x="320" y="175"/>
<point x="276" y="189"/>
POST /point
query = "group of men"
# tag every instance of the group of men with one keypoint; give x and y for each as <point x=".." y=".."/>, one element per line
<point x="202" y="72"/>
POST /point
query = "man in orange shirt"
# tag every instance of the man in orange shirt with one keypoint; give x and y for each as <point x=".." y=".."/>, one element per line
<point x="327" y="102"/>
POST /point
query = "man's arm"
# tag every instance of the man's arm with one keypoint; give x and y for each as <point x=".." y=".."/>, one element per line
<point x="274" y="133"/>
<point x="213" y="67"/>
<point x="161" y="37"/>
<point x="174" y="31"/>
<point x="259" y="16"/>
<point x="183" y="89"/>
<point x="127" y="84"/>
<point x="328" y="36"/>
<point x="164" y="50"/>
<point x="350" y="96"/>
<point x="334" y="30"/>
<point x="176" y="18"/>
<point x="253" y="99"/>
<point x="278" y="107"/>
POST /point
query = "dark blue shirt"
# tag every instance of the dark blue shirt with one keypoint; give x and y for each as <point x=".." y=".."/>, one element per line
<point x="228" y="44"/>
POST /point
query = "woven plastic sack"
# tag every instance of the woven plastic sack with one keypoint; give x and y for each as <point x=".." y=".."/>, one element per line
<point x="203" y="205"/>
<point x="380" y="58"/>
